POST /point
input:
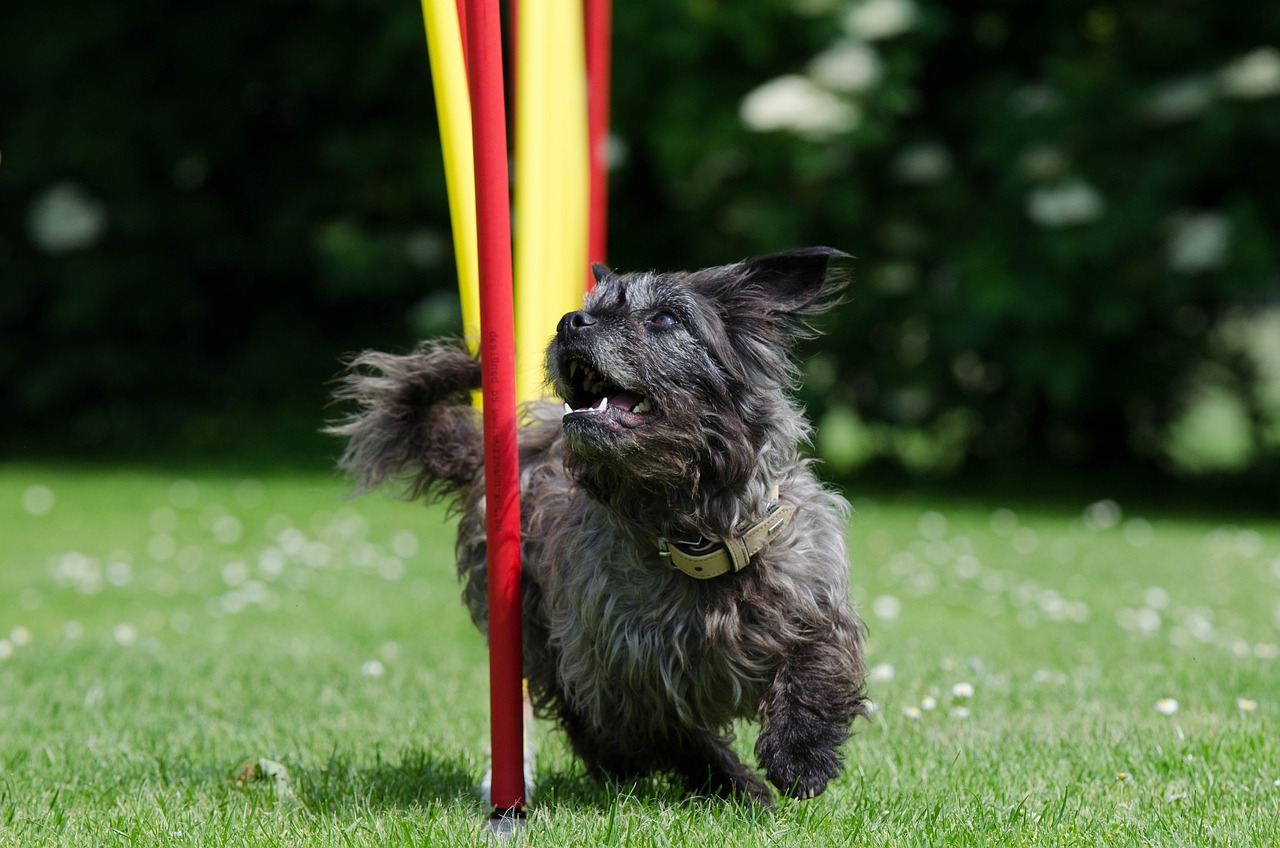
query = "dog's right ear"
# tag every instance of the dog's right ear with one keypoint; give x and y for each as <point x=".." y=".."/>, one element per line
<point x="601" y="272"/>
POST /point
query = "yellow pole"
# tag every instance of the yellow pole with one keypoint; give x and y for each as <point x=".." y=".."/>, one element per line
<point x="453" y="110"/>
<point x="551" y="179"/>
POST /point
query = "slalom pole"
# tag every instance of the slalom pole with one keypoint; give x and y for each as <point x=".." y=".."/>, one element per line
<point x="550" y="178"/>
<point x="446" y="46"/>
<point x="598" y="15"/>
<point x="497" y="359"/>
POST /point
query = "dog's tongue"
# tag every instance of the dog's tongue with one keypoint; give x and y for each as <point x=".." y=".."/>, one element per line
<point x="625" y="400"/>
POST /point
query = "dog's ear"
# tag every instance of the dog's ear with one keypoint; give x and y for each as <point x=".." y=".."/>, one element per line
<point x="796" y="282"/>
<point x="764" y="305"/>
<point x="601" y="271"/>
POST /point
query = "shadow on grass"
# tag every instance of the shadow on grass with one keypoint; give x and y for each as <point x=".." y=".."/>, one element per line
<point x="422" y="779"/>
<point x="418" y="779"/>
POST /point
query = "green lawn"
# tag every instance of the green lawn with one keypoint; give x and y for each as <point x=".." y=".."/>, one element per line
<point x="1083" y="675"/>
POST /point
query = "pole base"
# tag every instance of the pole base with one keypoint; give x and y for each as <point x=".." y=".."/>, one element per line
<point x="506" y="823"/>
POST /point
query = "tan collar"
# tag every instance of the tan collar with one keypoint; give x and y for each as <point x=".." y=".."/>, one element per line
<point x="705" y="559"/>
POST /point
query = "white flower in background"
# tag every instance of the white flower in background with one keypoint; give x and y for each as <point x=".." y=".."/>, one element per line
<point x="1065" y="204"/>
<point x="1138" y="533"/>
<point x="65" y="218"/>
<point x="1198" y="242"/>
<point x="962" y="690"/>
<point x="1167" y="706"/>
<point x="1102" y="515"/>
<point x="881" y="672"/>
<point x="886" y="607"/>
<point x="1252" y="76"/>
<point x="124" y="633"/>
<point x="849" y="65"/>
<point x="922" y="164"/>
<point x="37" y="500"/>
<point x="1154" y="597"/>
<point x="1180" y="99"/>
<point x="793" y="102"/>
<point x="877" y="19"/>
<point x="1246" y="705"/>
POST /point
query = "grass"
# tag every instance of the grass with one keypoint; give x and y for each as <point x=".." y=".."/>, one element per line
<point x="163" y="640"/>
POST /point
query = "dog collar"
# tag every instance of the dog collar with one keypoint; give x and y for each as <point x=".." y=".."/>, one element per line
<point x="705" y="559"/>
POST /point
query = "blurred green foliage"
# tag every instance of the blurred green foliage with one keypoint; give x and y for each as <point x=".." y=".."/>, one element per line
<point x="1063" y="214"/>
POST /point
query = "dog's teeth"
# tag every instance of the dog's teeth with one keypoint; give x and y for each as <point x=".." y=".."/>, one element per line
<point x="574" y="365"/>
<point x="567" y="409"/>
<point x="642" y="406"/>
<point x="602" y="405"/>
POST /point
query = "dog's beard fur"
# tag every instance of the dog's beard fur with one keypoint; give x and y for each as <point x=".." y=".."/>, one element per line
<point x="676" y="423"/>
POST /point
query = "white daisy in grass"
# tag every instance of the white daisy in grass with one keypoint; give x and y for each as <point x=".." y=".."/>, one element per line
<point x="124" y="633"/>
<point x="962" y="690"/>
<point x="1167" y="706"/>
<point x="912" y="712"/>
<point x="881" y="672"/>
<point x="1246" y="705"/>
<point x="959" y="712"/>
<point x="1123" y="776"/>
<point x="928" y="702"/>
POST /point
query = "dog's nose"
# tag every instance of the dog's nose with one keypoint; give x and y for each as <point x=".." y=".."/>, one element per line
<point x="575" y="322"/>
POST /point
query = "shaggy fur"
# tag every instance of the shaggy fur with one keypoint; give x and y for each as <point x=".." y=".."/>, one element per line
<point x="644" y="667"/>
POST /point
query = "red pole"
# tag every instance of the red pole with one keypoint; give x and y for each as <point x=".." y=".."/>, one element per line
<point x="597" y="24"/>
<point x="497" y="358"/>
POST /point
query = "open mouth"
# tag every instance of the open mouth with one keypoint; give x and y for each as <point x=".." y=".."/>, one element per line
<point x="588" y="393"/>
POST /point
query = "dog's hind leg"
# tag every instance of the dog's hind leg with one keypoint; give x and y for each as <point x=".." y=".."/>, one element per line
<point x="814" y="697"/>
<point x="708" y="762"/>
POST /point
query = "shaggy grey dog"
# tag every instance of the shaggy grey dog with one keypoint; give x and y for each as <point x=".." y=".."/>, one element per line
<point x="683" y="566"/>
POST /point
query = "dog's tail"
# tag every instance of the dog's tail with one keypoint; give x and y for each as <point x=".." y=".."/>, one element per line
<point x="414" y="424"/>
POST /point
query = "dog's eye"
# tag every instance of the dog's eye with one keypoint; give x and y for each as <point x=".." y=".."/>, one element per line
<point x="664" y="319"/>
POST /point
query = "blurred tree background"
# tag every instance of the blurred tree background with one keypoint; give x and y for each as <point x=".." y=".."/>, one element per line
<point x="1064" y="216"/>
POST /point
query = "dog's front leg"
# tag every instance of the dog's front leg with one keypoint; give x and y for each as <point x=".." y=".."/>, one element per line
<point x="806" y="714"/>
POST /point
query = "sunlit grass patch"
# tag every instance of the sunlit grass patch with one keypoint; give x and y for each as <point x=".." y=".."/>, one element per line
<point x="1085" y="675"/>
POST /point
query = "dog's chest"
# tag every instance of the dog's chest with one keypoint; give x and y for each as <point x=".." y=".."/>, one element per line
<point x="635" y="641"/>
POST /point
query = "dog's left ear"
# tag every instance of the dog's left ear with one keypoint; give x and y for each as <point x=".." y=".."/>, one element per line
<point x="796" y="282"/>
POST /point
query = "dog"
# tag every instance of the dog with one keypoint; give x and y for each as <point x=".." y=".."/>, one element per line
<point x="683" y="567"/>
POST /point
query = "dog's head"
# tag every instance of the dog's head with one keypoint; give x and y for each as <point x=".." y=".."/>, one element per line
<point x="679" y="379"/>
